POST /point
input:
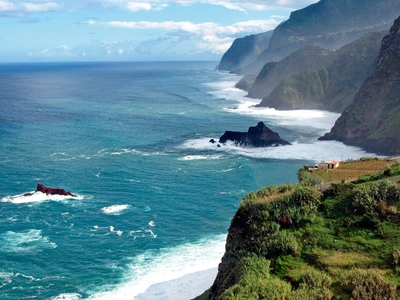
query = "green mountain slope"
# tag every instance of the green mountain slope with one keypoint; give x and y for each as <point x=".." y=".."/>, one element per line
<point x="372" y="121"/>
<point x="331" y="87"/>
<point x="329" y="24"/>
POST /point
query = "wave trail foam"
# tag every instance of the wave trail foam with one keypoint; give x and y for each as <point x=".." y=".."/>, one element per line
<point x="115" y="209"/>
<point x="169" y="267"/>
<point x="27" y="240"/>
<point x="200" y="157"/>
<point x="37" y="197"/>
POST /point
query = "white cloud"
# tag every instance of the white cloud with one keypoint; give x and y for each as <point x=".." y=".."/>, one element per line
<point x="136" y="6"/>
<point x="258" y="5"/>
<point x="39" y="7"/>
<point x="212" y="36"/>
<point x="244" y="6"/>
<point x="201" y="28"/>
<point x="20" y="8"/>
<point x="6" y="6"/>
<point x="27" y="7"/>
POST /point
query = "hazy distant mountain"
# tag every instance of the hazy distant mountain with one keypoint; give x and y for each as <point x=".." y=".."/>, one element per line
<point x="331" y="87"/>
<point x="244" y="50"/>
<point x="329" y="24"/>
<point x="372" y="121"/>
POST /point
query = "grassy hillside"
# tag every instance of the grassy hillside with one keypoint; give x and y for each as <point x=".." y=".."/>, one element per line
<point x="296" y="242"/>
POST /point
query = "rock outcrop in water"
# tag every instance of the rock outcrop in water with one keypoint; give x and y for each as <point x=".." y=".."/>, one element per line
<point x="257" y="136"/>
<point x="372" y="121"/>
<point x="53" y="191"/>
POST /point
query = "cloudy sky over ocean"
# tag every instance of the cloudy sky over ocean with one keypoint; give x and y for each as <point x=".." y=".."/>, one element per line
<point x="121" y="30"/>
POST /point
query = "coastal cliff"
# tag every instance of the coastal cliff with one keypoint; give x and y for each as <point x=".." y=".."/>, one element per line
<point x="295" y="242"/>
<point x="372" y="120"/>
<point x="274" y="72"/>
<point x="332" y="86"/>
<point x="243" y="51"/>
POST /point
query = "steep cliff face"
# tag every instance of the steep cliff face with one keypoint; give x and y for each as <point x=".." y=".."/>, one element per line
<point x="328" y="24"/>
<point x="243" y="51"/>
<point x="372" y="121"/>
<point x="273" y="73"/>
<point x="333" y="86"/>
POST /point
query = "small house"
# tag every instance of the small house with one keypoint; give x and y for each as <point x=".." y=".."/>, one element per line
<point x="328" y="164"/>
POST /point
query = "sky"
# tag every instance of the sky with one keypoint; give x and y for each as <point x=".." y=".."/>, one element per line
<point x="126" y="30"/>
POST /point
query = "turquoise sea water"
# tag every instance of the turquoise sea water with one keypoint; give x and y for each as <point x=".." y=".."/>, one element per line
<point x="155" y="197"/>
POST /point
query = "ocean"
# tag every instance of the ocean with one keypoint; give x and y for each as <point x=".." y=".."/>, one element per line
<point x="154" y="196"/>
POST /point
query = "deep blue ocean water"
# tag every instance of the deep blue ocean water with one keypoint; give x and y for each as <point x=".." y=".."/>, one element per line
<point x="155" y="197"/>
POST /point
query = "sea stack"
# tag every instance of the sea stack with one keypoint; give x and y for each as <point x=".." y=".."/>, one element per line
<point x="52" y="191"/>
<point x="256" y="136"/>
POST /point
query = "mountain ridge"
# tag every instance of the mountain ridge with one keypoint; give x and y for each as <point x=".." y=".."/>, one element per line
<point x="329" y="24"/>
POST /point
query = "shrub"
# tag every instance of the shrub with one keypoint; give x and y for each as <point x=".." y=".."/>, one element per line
<point x="282" y="242"/>
<point x="305" y="195"/>
<point x="303" y="174"/>
<point x="396" y="259"/>
<point x="275" y="189"/>
<point x="313" y="278"/>
<point x="311" y="294"/>
<point x="299" y="207"/>
<point x="368" y="285"/>
<point x="255" y="282"/>
<point x="250" y="198"/>
<point x="363" y="201"/>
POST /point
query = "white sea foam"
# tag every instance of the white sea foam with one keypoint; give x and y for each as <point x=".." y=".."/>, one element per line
<point x="322" y="120"/>
<point x="164" y="274"/>
<point x="200" y="157"/>
<point x="315" y="151"/>
<point x="142" y="233"/>
<point x="32" y="197"/>
<point x="67" y="296"/>
<point x="118" y="232"/>
<point x="124" y="151"/>
<point x="307" y="124"/>
<point x="115" y="209"/>
<point x="27" y="240"/>
<point x="186" y="287"/>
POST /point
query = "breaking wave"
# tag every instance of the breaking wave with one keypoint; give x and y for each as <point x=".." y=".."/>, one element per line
<point x="32" y="197"/>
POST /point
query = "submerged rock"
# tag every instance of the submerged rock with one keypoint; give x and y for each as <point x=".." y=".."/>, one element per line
<point x="257" y="136"/>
